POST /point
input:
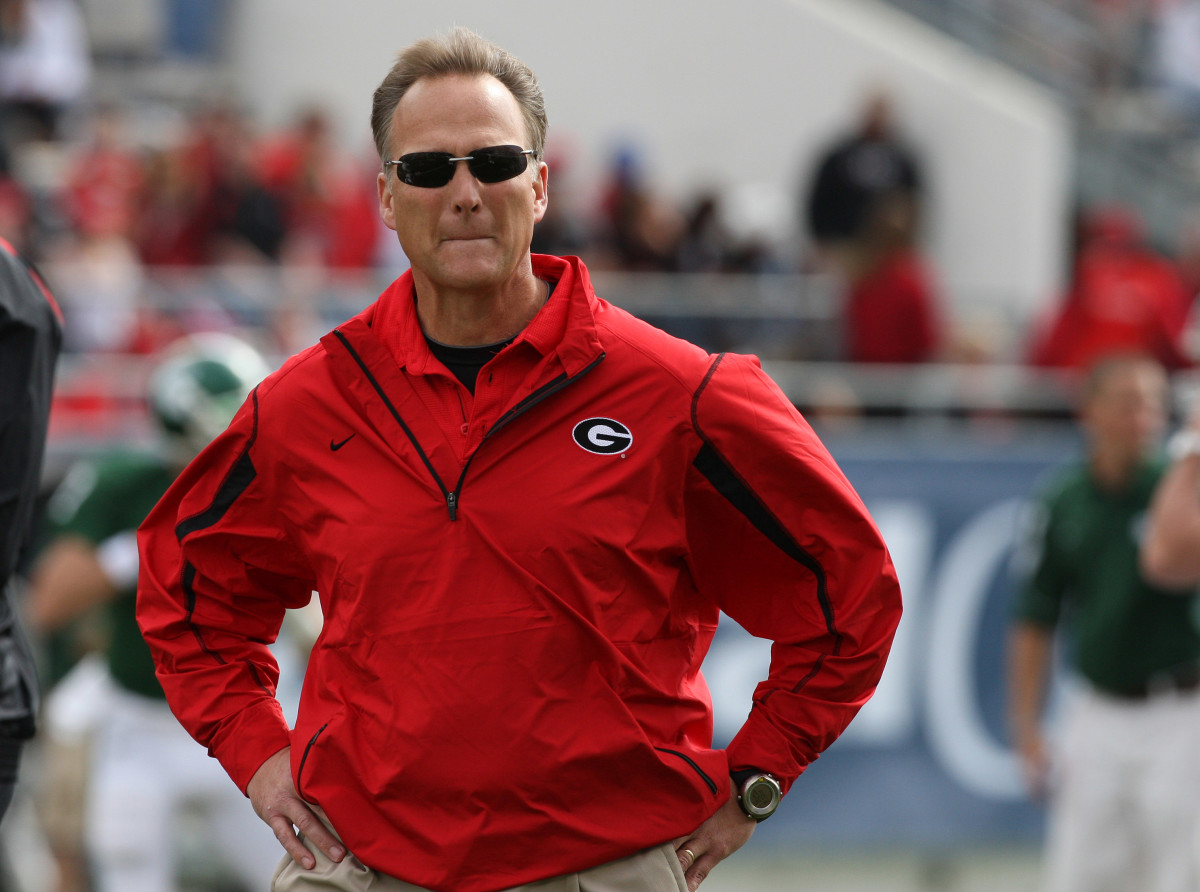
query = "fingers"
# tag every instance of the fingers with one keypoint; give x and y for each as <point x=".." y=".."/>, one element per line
<point x="291" y="843"/>
<point x="274" y="798"/>
<point x="696" y="863"/>
<point x="315" y="830"/>
<point x="726" y="831"/>
<point x="300" y="816"/>
<point x="686" y="858"/>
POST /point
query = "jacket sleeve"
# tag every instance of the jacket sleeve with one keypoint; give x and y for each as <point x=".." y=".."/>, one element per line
<point x="218" y="571"/>
<point x="782" y="543"/>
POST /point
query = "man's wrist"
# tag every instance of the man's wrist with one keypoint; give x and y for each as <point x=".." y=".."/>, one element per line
<point x="758" y="792"/>
<point x="1183" y="444"/>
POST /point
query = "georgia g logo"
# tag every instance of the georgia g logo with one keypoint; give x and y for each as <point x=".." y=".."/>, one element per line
<point x="603" y="436"/>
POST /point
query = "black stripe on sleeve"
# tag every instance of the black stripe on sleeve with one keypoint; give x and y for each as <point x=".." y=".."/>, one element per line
<point x="240" y="476"/>
<point x="188" y="581"/>
<point x="235" y="483"/>
<point x="721" y="474"/>
<point x="738" y="494"/>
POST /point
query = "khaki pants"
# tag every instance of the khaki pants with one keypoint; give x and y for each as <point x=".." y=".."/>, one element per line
<point x="651" y="870"/>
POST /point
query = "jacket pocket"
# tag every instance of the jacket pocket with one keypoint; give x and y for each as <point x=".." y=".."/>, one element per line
<point x="312" y="741"/>
<point x="708" y="781"/>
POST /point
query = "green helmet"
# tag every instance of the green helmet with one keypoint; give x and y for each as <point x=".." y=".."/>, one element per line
<point x="197" y="387"/>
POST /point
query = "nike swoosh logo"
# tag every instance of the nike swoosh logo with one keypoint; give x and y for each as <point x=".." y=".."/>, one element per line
<point x="336" y="446"/>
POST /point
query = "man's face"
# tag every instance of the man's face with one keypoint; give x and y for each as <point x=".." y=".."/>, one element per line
<point x="1128" y="411"/>
<point x="466" y="235"/>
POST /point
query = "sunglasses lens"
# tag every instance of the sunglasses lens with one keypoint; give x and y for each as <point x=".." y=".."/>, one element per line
<point x="430" y="170"/>
<point x="426" y="169"/>
<point x="498" y="163"/>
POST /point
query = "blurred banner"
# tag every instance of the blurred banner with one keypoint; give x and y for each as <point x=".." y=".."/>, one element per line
<point x="926" y="762"/>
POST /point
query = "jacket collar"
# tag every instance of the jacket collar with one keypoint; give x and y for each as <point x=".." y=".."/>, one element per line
<point x="377" y="357"/>
<point x="565" y="328"/>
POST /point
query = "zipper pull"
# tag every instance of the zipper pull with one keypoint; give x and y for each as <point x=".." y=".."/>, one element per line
<point x="452" y="504"/>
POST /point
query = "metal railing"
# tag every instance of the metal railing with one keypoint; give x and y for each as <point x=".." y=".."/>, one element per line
<point x="790" y="321"/>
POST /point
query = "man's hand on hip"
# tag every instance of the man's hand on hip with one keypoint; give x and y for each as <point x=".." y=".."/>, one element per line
<point x="713" y="841"/>
<point x="275" y="800"/>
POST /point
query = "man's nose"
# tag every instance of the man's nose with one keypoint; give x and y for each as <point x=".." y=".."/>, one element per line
<point x="464" y="188"/>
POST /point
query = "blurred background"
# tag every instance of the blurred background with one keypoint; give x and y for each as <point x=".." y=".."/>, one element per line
<point x="925" y="216"/>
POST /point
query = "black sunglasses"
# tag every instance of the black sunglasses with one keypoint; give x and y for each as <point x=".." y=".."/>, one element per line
<point x="429" y="170"/>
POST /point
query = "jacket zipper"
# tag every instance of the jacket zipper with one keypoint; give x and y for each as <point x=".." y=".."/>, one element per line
<point x="453" y="496"/>
<point x="395" y="414"/>
<point x="547" y="390"/>
<point x="708" y="781"/>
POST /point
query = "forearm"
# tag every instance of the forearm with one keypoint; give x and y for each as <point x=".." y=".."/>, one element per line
<point x="68" y="581"/>
<point x="1170" y="553"/>
<point x="1029" y="654"/>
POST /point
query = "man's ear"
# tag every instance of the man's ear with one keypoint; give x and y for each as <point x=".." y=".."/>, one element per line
<point x="385" y="201"/>
<point x="540" y="198"/>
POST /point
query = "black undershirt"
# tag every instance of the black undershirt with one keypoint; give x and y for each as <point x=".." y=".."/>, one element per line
<point x="465" y="362"/>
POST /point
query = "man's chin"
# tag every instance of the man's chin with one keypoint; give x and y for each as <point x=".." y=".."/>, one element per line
<point x="472" y="273"/>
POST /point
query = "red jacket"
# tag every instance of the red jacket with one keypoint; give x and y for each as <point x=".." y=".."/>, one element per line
<point x="518" y="588"/>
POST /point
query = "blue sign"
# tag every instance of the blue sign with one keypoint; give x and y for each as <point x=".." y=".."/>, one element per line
<point x="927" y="761"/>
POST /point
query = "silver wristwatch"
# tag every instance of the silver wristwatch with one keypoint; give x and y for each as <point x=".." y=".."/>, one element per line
<point x="759" y="796"/>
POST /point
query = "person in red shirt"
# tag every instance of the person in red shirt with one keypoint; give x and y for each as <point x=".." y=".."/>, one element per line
<point x="1123" y="298"/>
<point x="523" y="511"/>
<point x="891" y="313"/>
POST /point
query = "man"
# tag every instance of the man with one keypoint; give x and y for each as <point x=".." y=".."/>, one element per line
<point x="143" y="772"/>
<point x="1124" y="793"/>
<point x="862" y="211"/>
<point x="523" y="510"/>
<point x="30" y="338"/>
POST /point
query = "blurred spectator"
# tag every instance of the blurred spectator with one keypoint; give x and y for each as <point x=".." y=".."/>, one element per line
<point x="642" y="231"/>
<point x="891" y="310"/>
<point x="863" y="213"/>
<point x="102" y="194"/>
<point x="230" y="212"/>
<point x="704" y="246"/>
<point x="1121" y="31"/>
<point x="142" y="769"/>
<point x="1125" y="786"/>
<point x="869" y="175"/>
<point x="45" y="68"/>
<point x="1123" y="297"/>
<point x="99" y="278"/>
<point x="330" y="209"/>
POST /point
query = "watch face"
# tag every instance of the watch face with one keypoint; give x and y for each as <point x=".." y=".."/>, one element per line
<point x="760" y="796"/>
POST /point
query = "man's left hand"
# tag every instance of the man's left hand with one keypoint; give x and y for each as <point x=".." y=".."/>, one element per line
<point x="713" y="841"/>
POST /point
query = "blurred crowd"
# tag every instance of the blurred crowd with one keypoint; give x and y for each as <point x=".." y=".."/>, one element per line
<point x="105" y="193"/>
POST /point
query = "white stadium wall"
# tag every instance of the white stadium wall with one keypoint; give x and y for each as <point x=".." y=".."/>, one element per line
<point x="735" y="95"/>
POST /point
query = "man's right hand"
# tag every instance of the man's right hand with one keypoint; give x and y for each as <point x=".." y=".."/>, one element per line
<point x="275" y="800"/>
<point x="1035" y="764"/>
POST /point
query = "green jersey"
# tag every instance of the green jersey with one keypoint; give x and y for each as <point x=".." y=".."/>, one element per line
<point x="1122" y="631"/>
<point x="104" y="501"/>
